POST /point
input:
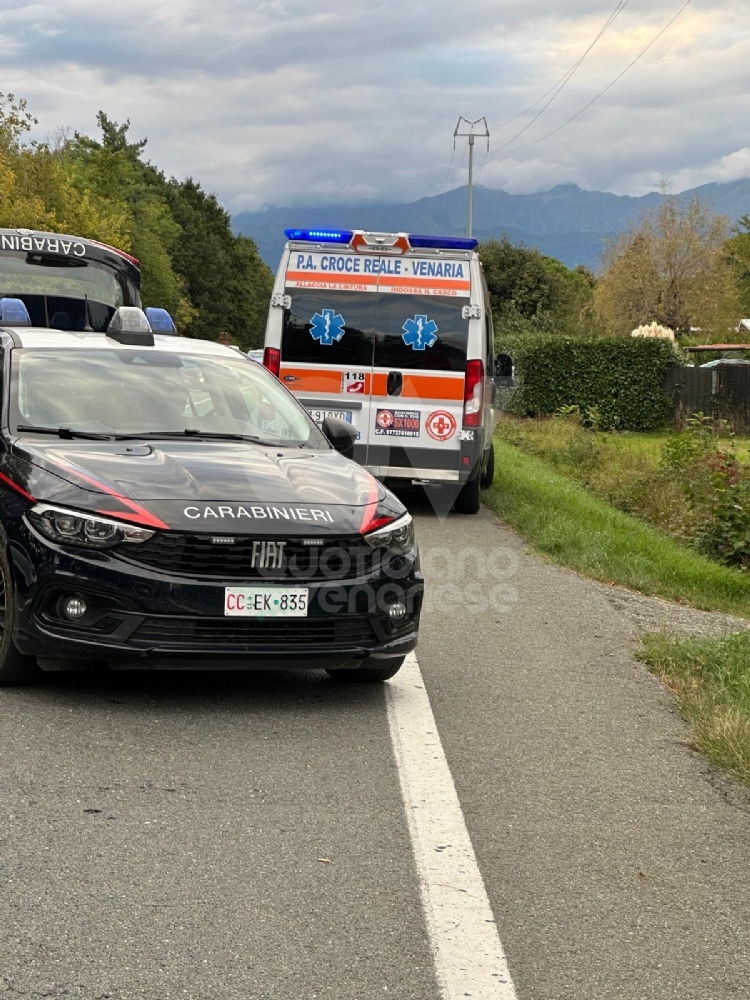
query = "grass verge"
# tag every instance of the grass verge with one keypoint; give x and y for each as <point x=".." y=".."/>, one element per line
<point x="575" y="528"/>
<point x="649" y="476"/>
<point x="711" y="679"/>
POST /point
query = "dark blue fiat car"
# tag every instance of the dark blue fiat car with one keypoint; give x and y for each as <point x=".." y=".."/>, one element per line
<point x="166" y="503"/>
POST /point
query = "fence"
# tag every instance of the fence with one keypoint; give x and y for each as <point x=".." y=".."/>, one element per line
<point x="723" y="391"/>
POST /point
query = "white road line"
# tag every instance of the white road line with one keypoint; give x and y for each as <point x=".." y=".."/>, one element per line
<point x="468" y="954"/>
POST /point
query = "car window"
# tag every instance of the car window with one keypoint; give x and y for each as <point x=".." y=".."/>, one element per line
<point x="420" y="331"/>
<point x="131" y="391"/>
<point x="329" y="328"/>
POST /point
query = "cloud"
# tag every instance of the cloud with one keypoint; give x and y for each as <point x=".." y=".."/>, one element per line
<point x="284" y="102"/>
<point x="530" y="175"/>
<point x="734" y="167"/>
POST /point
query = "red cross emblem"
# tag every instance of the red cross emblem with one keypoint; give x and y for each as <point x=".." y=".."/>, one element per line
<point x="441" y="425"/>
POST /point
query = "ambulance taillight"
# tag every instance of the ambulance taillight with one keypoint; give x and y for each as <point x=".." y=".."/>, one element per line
<point x="473" y="394"/>
<point x="272" y="360"/>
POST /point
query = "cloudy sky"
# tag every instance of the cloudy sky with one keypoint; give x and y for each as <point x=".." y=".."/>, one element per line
<point x="310" y="101"/>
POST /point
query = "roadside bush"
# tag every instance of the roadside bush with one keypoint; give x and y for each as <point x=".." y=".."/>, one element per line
<point x="630" y="481"/>
<point x="726" y="536"/>
<point x="656" y="497"/>
<point x="620" y="379"/>
<point x="716" y="489"/>
<point x="692" y="487"/>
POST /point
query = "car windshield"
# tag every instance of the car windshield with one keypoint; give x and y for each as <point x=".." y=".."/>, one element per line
<point x="133" y="391"/>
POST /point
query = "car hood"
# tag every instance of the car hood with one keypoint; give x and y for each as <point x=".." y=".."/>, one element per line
<point x="205" y="486"/>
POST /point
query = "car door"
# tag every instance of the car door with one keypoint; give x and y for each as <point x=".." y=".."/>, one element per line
<point x="326" y="355"/>
<point x="419" y="364"/>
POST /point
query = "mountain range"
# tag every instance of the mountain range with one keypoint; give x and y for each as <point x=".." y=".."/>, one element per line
<point x="567" y="222"/>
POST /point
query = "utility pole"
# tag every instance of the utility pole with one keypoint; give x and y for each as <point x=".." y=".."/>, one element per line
<point x="471" y="135"/>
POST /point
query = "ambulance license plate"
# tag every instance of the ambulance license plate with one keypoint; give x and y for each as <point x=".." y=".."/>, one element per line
<point x="320" y="415"/>
<point x="266" y="602"/>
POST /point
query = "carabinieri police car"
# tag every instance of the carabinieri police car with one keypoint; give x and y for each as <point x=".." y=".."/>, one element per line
<point x="167" y="503"/>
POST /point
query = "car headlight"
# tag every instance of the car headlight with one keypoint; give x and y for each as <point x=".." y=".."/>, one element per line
<point x="396" y="537"/>
<point x="70" y="527"/>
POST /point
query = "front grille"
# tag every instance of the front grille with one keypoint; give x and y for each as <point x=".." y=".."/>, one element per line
<point x="268" y="631"/>
<point x="199" y="557"/>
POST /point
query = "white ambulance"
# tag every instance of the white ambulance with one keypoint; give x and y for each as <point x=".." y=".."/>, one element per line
<point x="393" y="334"/>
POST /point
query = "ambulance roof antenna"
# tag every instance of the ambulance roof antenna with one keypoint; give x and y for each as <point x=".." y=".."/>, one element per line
<point x="471" y="135"/>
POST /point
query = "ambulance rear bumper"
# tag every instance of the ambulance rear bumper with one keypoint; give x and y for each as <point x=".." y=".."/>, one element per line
<point x="421" y="475"/>
<point x="428" y="465"/>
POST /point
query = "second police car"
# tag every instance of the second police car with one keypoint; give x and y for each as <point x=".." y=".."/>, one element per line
<point x="167" y="503"/>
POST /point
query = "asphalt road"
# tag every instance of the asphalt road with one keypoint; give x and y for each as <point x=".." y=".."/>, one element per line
<point x="238" y="837"/>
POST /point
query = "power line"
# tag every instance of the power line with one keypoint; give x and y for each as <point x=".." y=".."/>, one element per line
<point x="461" y="164"/>
<point x="609" y="86"/>
<point x="447" y="176"/>
<point x="410" y="219"/>
<point x="479" y="174"/>
<point x="556" y="87"/>
<point x="566" y="81"/>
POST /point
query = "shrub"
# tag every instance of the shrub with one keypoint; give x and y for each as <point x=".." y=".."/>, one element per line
<point x="618" y="379"/>
<point x="726" y="536"/>
<point x="716" y="489"/>
<point x="691" y="487"/>
<point x="654" y="330"/>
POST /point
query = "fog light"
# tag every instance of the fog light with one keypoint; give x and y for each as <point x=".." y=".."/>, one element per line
<point x="397" y="612"/>
<point x="75" y="608"/>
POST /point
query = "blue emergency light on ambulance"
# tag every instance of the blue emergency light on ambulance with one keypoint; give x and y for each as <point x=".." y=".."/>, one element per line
<point x="343" y="236"/>
<point x="442" y="243"/>
<point x="346" y="237"/>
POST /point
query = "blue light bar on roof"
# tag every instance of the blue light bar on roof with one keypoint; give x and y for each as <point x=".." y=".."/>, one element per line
<point x="443" y="243"/>
<point x="345" y="236"/>
<point x="319" y="235"/>
<point x="14" y="312"/>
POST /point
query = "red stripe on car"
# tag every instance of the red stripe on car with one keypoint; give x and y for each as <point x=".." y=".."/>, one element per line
<point x="143" y="516"/>
<point x="17" y="488"/>
<point x="370" y="520"/>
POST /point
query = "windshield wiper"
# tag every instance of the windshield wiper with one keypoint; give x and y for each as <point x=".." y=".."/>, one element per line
<point x="66" y="433"/>
<point x="193" y="432"/>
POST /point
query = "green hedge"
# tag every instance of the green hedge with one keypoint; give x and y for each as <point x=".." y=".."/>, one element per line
<point x="621" y="378"/>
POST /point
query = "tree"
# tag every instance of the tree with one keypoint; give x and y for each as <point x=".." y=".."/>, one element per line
<point x="191" y="262"/>
<point x="37" y="191"/>
<point x="112" y="168"/>
<point x="228" y="283"/>
<point x="738" y="248"/>
<point x="532" y="292"/>
<point x="671" y="268"/>
<point x="15" y="121"/>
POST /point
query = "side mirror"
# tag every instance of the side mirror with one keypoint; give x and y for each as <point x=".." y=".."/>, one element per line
<point x="503" y="366"/>
<point x="341" y="435"/>
<point x="504" y="372"/>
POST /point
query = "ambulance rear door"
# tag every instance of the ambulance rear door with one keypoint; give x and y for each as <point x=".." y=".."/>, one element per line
<point x="328" y="336"/>
<point x="419" y="367"/>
